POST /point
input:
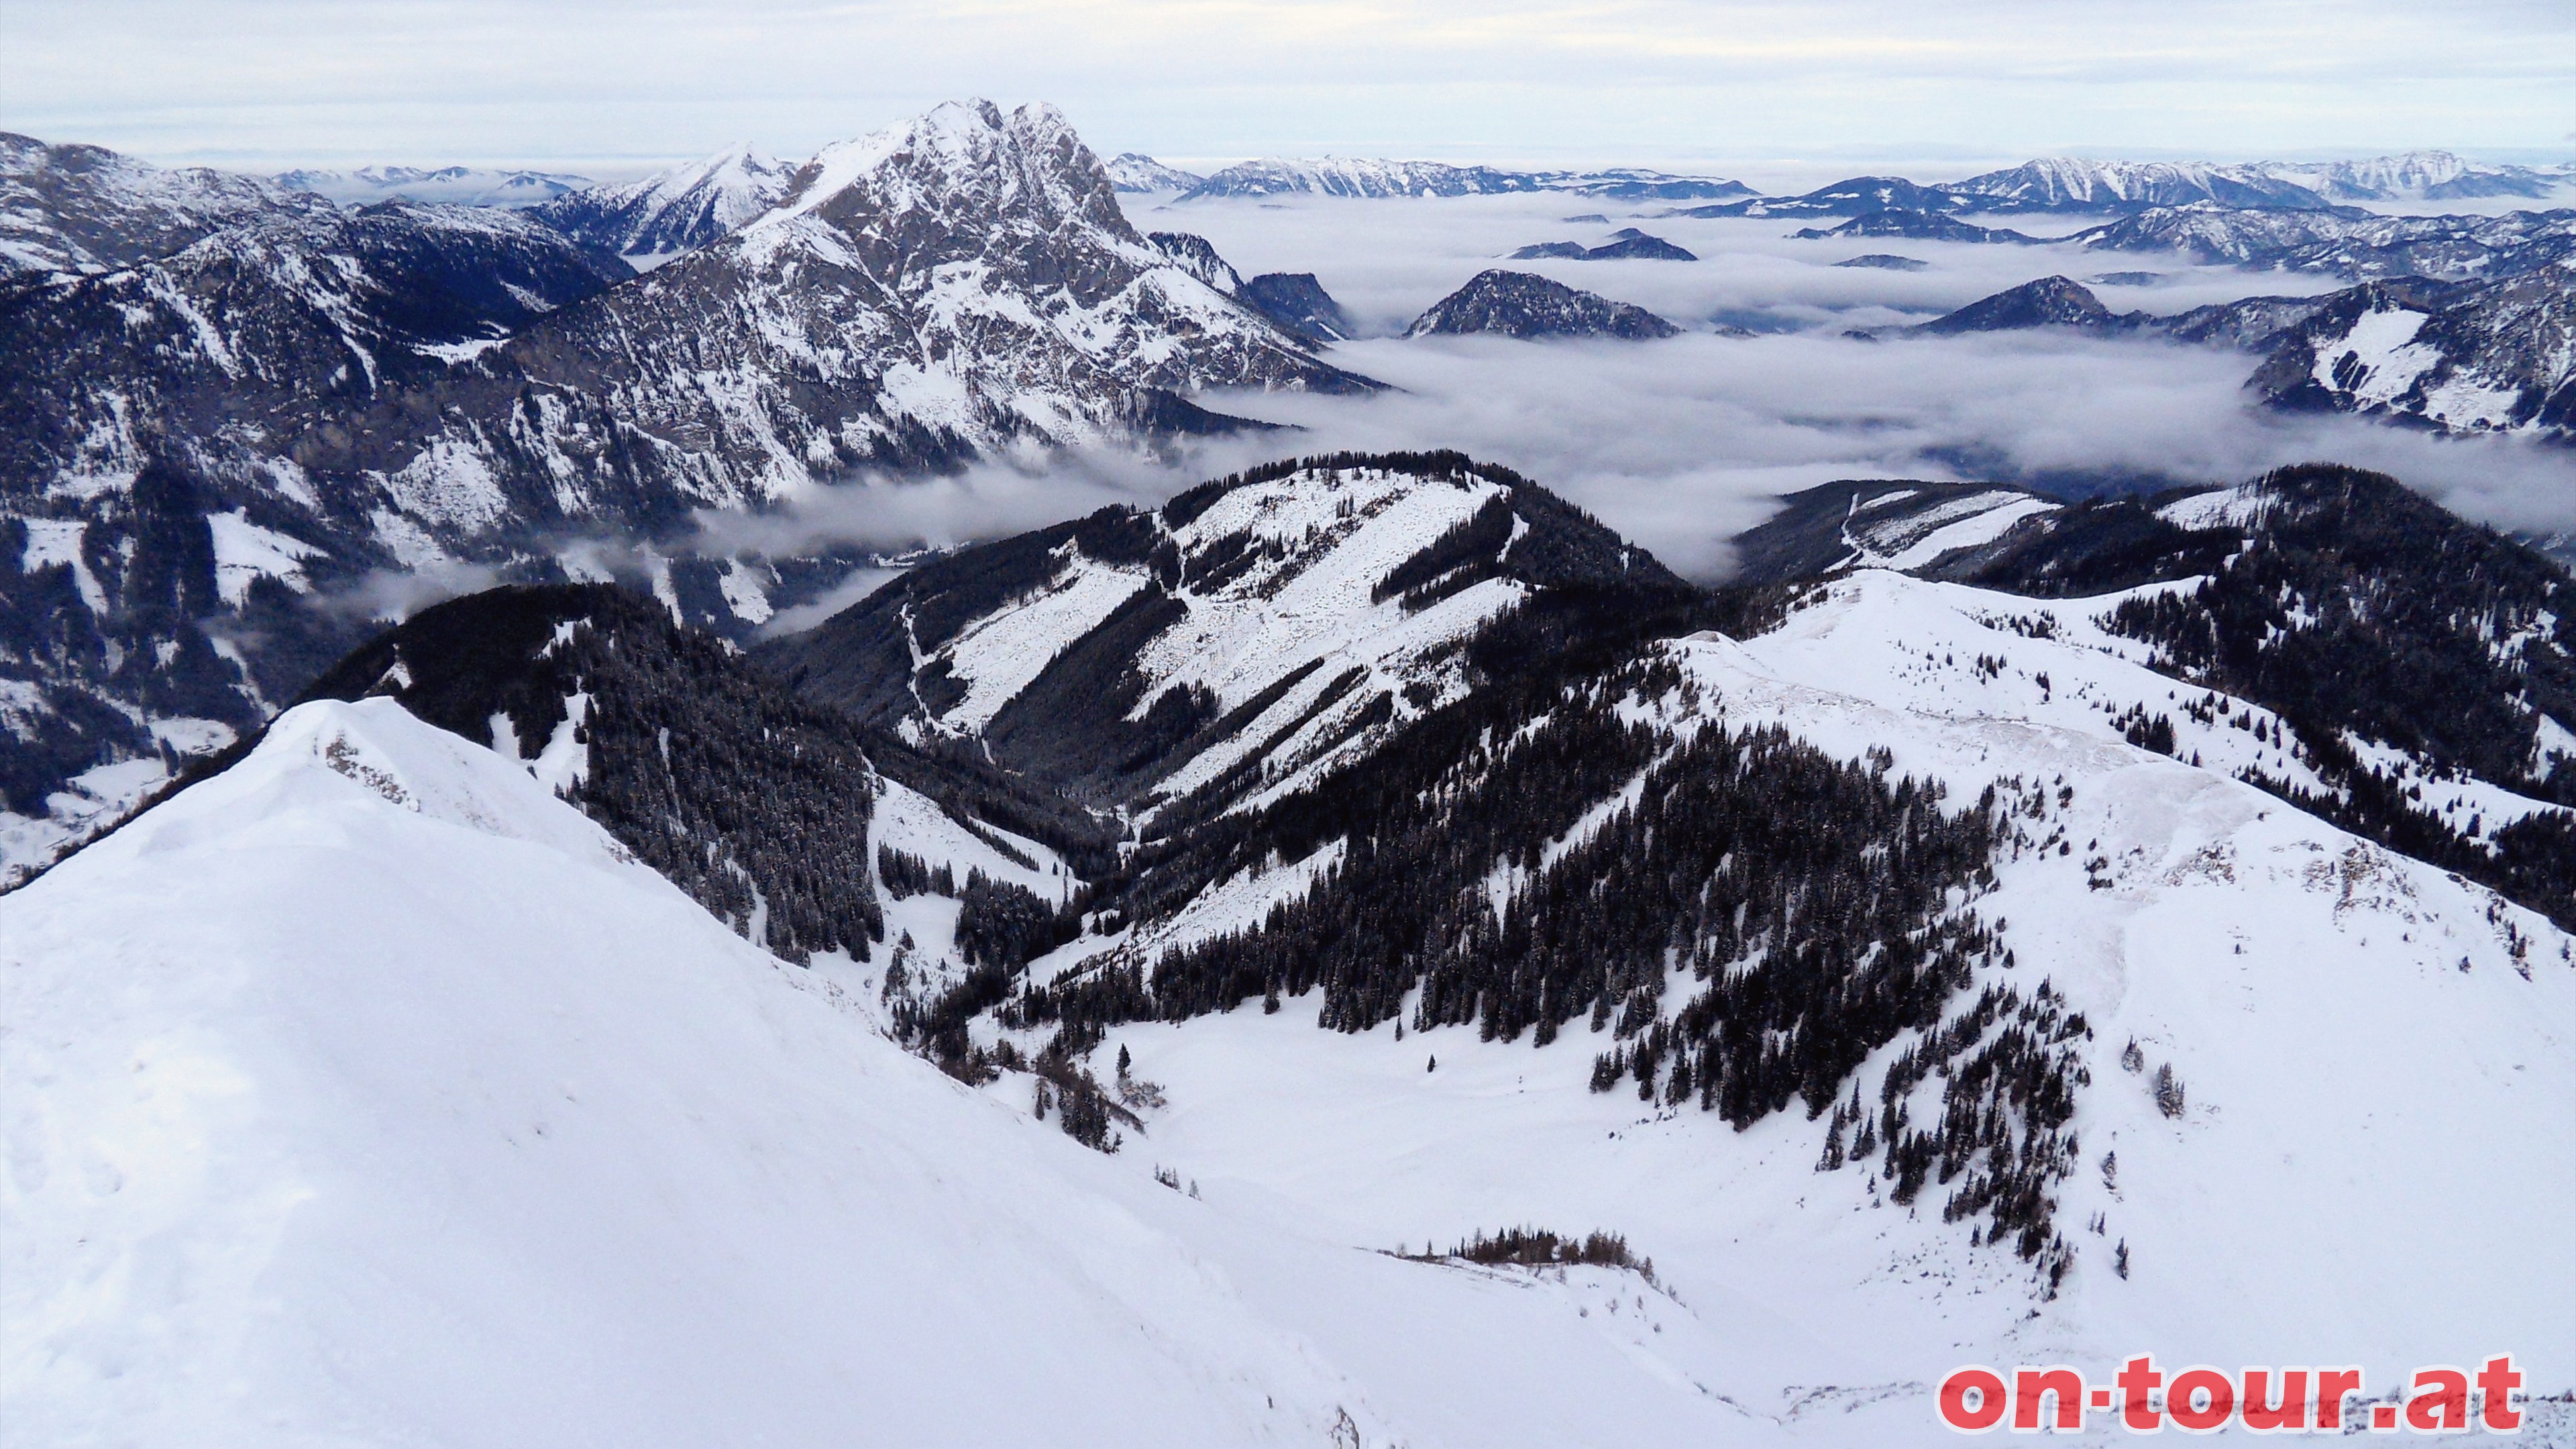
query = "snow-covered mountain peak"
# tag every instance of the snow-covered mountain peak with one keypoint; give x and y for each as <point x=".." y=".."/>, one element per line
<point x="330" y="759"/>
<point x="73" y="208"/>
<point x="661" y="216"/>
<point x="961" y="156"/>
<point x="1134" y="172"/>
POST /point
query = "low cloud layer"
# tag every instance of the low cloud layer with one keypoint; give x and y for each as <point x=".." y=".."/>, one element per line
<point x="1683" y="443"/>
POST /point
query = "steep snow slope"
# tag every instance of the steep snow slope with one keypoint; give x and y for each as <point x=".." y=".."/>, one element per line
<point x="384" y="1100"/>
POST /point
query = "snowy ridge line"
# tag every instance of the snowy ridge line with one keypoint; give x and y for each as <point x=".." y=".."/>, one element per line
<point x="602" y="1012"/>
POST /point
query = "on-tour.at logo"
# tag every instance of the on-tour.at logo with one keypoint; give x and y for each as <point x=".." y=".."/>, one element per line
<point x="2439" y="1399"/>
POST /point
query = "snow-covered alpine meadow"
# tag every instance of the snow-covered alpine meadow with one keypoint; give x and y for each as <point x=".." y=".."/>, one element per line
<point x="2371" y="1053"/>
<point x="368" y="1095"/>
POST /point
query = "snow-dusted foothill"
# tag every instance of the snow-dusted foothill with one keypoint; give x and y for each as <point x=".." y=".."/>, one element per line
<point x="1250" y="634"/>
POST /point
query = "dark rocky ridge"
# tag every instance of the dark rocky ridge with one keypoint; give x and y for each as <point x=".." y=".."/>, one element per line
<point x="1914" y="226"/>
<point x="2047" y="302"/>
<point x="1524" y="304"/>
<point x="1628" y="244"/>
<point x="1299" y="303"/>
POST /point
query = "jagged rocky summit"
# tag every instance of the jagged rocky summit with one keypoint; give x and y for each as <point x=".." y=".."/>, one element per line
<point x="300" y="399"/>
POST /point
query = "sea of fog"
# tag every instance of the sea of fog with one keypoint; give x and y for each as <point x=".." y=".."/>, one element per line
<point x="1683" y="443"/>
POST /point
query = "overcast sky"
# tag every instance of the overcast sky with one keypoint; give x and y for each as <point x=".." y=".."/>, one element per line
<point x="604" y="86"/>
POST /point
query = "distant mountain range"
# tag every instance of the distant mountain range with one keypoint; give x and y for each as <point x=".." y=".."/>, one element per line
<point x="2462" y="357"/>
<point x="2343" y="243"/>
<point x="448" y="185"/>
<point x="219" y="397"/>
<point x="222" y="396"/>
<point x="2067" y="184"/>
<point x="1372" y="179"/>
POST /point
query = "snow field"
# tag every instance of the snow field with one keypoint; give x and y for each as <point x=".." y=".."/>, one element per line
<point x="381" y="1101"/>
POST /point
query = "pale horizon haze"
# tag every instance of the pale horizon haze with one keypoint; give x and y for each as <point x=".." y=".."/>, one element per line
<point x="1786" y="92"/>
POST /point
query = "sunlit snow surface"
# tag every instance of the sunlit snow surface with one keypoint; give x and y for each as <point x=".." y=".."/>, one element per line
<point x="2368" y="1170"/>
<point x="365" y="1094"/>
